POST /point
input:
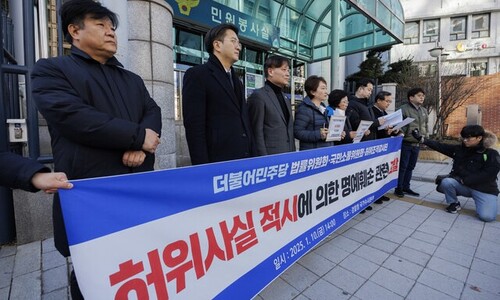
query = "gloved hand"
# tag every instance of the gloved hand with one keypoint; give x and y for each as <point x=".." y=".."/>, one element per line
<point x="416" y="134"/>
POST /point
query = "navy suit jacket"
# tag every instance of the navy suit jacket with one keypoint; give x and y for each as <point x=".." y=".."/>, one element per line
<point x="215" y="114"/>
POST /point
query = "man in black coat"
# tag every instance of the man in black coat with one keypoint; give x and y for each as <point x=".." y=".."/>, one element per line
<point x="101" y="118"/>
<point x="359" y="109"/>
<point x="21" y="173"/>
<point x="214" y="109"/>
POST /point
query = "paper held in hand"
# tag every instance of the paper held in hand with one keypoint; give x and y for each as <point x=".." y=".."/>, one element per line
<point x="391" y="119"/>
<point x="404" y="123"/>
<point x="362" y="128"/>
<point x="335" y="128"/>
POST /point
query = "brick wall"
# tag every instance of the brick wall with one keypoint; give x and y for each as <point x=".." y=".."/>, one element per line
<point x="489" y="102"/>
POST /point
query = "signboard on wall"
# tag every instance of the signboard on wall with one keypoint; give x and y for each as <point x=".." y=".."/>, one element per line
<point x="210" y="13"/>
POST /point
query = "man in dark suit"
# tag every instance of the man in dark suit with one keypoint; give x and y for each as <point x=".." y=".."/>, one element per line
<point x="382" y="101"/>
<point x="214" y="109"/>
<point x="271" y="111"/>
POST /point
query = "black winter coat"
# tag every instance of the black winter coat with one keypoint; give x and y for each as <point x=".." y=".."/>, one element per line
<point x="216" y="116"/>
<point x="359" y="110"/>
<point x="478" y="167"/>
<point x="306" y="128"/>
<point x="95" y="112"/>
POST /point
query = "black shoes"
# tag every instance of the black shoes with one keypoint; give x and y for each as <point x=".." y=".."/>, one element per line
<point x="364" y="210"/>
<point x="410" y="192"/>
<point x="382" y="199"/>
<point x="454" y="208"/>
<point x="399" y="193"/>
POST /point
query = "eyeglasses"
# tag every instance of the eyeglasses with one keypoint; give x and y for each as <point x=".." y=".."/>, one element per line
<point x="236" y="43"/>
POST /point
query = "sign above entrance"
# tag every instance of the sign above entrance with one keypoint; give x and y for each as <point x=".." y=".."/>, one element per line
<point x="211" y="13"/>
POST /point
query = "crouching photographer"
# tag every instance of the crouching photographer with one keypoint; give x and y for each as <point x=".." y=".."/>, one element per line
<point x="474" y="173"/>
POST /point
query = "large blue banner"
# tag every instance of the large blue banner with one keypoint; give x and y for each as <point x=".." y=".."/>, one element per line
<point x="222" y="230"/>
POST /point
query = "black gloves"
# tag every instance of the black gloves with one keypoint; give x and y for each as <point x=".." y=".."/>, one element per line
<point x="416" y="134"/>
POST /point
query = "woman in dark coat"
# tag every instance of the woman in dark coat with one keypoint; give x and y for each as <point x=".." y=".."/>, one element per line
<point x="311" y="121"/>
<point x="338" y="102"/>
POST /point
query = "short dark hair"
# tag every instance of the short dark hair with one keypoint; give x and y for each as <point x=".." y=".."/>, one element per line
<point x="312" y="83"/>
<point x="217" y="33"/>
<point x="335" y="97"/>
<point x="415" y="91"/>
<point x="381" y="95"/>
<point x="472" y="131"/>
<point x="275" y="61"/>
<point x="75" y="12"/>
<point x="363" y="82"/>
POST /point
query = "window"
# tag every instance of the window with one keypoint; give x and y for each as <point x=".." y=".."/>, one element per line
<point x="458" y="28"/>
<point x="455" y="67"/>
<point x="480" y="26"/>
<point x="254" y="61"/>
<point x="427" y="69"/>
<point x="188" y="48"/>
<point x="412" y="32"/>
<point x="478" y="68"/>
<point x="254" y="56"/>
<point x="431" y="31"/>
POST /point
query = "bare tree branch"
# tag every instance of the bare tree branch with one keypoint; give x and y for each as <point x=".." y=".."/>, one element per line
<point x="455" y="91"/>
